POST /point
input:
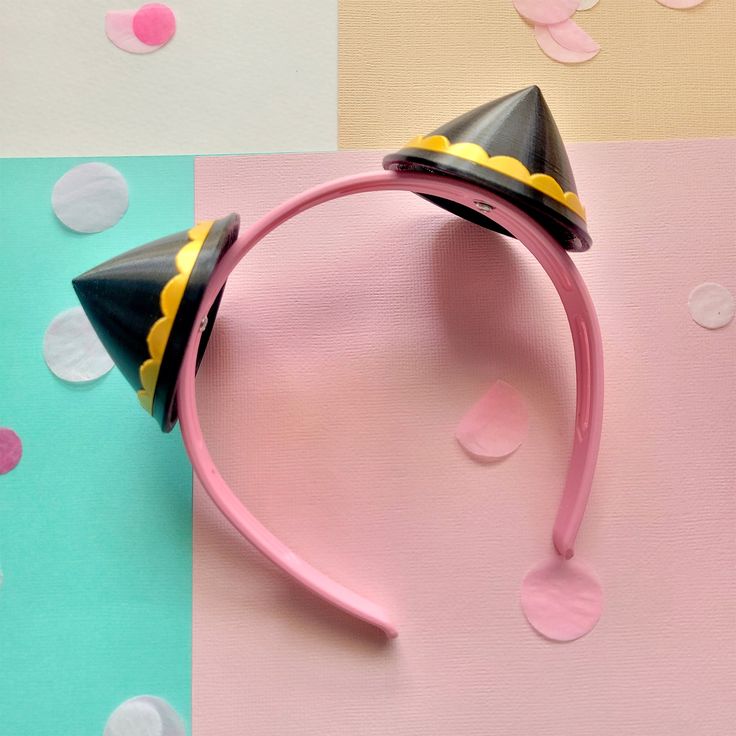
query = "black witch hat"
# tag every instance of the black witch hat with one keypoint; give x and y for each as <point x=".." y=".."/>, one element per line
<point x="143" y="305"/>
<point x="512" y="148"/>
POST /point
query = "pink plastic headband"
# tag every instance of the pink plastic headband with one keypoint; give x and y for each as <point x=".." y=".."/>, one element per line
<point x="586" y="341"/>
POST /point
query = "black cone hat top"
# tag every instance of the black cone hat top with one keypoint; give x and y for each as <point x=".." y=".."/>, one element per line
<point x="143" y="305"/>
<point x="512" y="148"/>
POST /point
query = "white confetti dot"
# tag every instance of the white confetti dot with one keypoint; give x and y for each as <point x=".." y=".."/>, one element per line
<point x="711" y="305"/>
<point x="145" y="715"/>
<point x="72" y="350"/>
<point x="90" y="197"/>
<point x="587" y="4"/>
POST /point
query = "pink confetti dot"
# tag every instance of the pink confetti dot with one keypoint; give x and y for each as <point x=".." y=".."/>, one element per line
<point x="570" y="35"/>
<point x="11" y="450"/>
<point x="154" y="24"/>
<point x="496" y="425"/>
<point x="546" y="11"/>
<point x="680" y="4"/>
<point x="558" y="52"/>
<point x="562" y="599"/>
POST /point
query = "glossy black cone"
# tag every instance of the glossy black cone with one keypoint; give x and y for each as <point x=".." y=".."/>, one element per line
<point x="519" y="125"/>
<point x="122" y="299"/>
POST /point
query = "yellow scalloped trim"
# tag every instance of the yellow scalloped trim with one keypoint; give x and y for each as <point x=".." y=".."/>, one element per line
<point x="507" y="165"/>
<point x="170" y="299"/>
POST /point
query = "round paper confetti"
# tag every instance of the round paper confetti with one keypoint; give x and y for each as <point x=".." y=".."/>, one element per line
<point x="546" y="11"/>
<point x="680" y="4"/>
<point x="562" y="599"/>
<point x="711" y="305"/>
<point x="570" y="35"/>
<point x="72" y="349"/>
<point x="154" y="24"/>
<point x="557" y="51"/>
<point x="145" y="715"/>
<point x="119" y="29"/>
<point x="90" y="197"/>
<point x="11" y="450"/>
<point x="587" y="4"/>
<point x="496" y="425"/>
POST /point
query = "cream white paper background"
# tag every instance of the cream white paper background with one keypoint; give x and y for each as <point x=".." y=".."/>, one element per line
<point x="238" y="76"/>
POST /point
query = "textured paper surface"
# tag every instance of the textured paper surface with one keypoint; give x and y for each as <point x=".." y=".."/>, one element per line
<point x="407" y="67"/>
<point x="95" y="522"/>
<point x="347" y="346"/>
<point x="237" y="77"/>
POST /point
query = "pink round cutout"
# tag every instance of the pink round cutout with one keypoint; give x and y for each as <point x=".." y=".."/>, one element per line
<point x="571" y="36"/>
<point x="154" y="24"/>
<point x="562" y="599"/>
<point x="11" y="450"/>
<point x="496" y="425"/>
<point x="558" y="52"/>
<point x="680" y="4"/>
<point x="546" y="11"/>
<point x="119" y="29"/>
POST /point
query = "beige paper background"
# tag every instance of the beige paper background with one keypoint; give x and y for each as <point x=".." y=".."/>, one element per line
<point x="407" y="66"/>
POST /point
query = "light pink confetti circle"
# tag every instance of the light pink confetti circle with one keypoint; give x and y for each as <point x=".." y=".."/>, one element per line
<point x="546" y="11"/>
<point x="145" y="715"/>
<point x="119" y="29"/>
<point x="711" y="305"/>
<point x="558" y="52"/>
<point x="496" y="425"/>
<point x="680" y="4"/>
<point x="154" y="24"/>
<point x="562" y="599"/>
<point x="11" y="450"/>
<point x="570" y="35"/>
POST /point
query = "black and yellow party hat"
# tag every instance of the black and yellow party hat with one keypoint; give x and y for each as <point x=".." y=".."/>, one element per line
<point x="512" y="148"/>
<point x="143" y="305"/>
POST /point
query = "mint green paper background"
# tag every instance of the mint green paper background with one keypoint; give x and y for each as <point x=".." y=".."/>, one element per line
<point x="95" y="522"/>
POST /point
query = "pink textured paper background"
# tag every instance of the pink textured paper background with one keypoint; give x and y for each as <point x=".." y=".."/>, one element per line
<point x="348" y="346"/>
